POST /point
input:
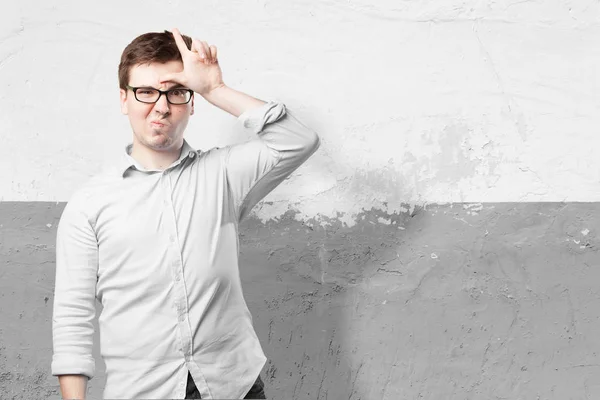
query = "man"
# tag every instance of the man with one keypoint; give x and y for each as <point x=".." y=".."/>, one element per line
<point x="155" y="238"/>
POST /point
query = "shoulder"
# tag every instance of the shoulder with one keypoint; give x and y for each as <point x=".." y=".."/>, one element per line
<point x="86" y="196"/>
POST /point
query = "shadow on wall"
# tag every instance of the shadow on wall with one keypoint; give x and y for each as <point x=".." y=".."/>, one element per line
<point x="298" y="317"/>
<point x="319" y="329"/>
<point x="450" y="302"/>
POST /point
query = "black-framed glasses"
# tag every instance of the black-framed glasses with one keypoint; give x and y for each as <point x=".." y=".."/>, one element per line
<point x="150" y="95"/>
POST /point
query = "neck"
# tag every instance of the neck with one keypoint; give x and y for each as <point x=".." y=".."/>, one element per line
<point x="152" y="159"/>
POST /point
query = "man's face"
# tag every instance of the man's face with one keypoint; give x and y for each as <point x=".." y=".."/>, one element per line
<point x="157" y="126"/>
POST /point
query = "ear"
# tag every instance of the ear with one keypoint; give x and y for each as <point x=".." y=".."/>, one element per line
<point x="192" y="111"/>
<point x="123" y="96"/>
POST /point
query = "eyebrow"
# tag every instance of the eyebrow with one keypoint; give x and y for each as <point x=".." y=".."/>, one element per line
<point x="176" y="86"/>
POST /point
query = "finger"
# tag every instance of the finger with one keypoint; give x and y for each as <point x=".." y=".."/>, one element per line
<point x="197" y="48"/>
<point x="179" y="42"/>
<point x="207" y="51"/>
<point x="200" y="49"/>
<point x="213" y="53"/>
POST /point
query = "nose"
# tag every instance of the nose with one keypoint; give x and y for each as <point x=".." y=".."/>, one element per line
<point x="162" y="105"/>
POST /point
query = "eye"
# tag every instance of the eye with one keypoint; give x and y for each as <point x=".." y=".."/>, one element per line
<point x="145" y="91"/>
<point x="178" y="92"/>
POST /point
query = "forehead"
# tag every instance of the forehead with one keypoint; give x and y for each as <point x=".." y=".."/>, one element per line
<point x="150" y="74"/>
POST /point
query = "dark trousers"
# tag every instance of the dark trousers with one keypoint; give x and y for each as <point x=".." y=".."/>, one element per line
<point x="257" y="391"/>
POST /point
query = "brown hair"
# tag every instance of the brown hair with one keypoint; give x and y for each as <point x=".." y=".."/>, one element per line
<point x="148" y="48"/>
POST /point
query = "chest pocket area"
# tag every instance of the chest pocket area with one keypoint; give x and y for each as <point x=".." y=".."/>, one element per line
<point x="136" y="237"/>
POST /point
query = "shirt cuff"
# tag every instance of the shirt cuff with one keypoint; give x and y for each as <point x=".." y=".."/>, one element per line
<point x="65" y="365"/>
<point x="255" y="119"/>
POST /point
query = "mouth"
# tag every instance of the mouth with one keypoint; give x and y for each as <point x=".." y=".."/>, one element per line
<point x="157" y="124"/>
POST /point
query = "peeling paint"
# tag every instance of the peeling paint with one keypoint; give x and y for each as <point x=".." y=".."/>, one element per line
<point x="418" y="254"/>
<point x="484" y="105"/>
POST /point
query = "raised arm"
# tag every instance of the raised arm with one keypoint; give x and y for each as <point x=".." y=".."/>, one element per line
<point x="256" y="167"/>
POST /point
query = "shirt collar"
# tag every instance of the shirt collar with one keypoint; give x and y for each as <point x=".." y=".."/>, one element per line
<point x="127" y="161"/>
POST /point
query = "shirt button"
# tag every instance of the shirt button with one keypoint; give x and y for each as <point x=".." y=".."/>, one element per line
<point x="172" y="238"/>
<point x="177" y="277"/>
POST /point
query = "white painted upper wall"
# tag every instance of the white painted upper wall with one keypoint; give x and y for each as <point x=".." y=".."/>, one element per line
<point x="415" y="102"/>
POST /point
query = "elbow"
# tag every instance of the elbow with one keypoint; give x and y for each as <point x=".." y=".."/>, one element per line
<point x="313" y="142"/>
<point x="307" y="137"/>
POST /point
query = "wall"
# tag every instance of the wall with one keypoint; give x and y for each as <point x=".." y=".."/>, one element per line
<point x="441" y="244"/>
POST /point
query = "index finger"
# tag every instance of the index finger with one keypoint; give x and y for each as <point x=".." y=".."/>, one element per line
<point x="179" y="41"/>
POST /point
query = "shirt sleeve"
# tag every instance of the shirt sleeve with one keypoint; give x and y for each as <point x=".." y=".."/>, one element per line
<point x="74" y="294"/>
<point x="256" y="167"/>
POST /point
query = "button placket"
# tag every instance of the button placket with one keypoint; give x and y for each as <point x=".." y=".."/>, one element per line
<point x="176" y="265"/>
<point x="171" y="225"/>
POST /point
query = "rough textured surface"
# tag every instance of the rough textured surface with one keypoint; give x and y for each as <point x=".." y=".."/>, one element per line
<point x="463" y="301"/>
<point x="364" y="290"/>
<point x="429" y="101"/>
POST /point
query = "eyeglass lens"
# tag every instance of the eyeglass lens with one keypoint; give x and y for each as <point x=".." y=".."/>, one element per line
<point x="175" y="96"/>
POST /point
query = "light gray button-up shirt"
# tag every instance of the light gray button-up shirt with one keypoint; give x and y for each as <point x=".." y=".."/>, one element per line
<point x="159" y="250"/>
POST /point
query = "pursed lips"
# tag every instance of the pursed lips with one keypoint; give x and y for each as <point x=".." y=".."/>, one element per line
<point x="158" y="123"/>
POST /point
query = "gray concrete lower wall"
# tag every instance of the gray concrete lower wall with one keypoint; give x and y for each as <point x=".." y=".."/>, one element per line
<point x="462" y="301"/>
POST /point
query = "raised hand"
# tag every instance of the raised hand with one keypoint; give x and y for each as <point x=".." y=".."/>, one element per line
<point x="201" y="70"/>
